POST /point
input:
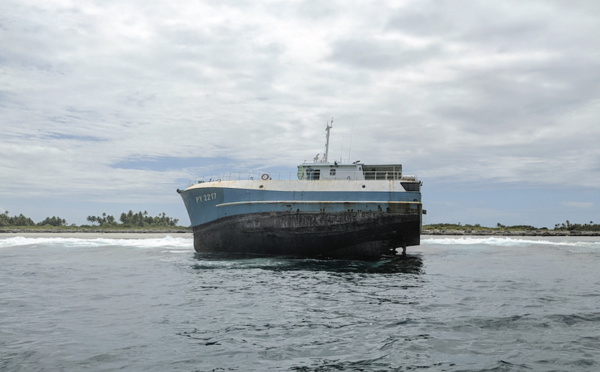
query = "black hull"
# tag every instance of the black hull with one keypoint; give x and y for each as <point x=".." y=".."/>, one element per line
<point x="346" y="235"/>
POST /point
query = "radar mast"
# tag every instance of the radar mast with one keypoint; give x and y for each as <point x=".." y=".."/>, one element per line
<point x="327" y="129"/>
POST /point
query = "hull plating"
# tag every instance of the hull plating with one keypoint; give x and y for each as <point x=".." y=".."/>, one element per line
<point x="349" y="235"/>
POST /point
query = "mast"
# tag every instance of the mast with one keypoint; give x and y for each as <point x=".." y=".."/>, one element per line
<point x="327" y="129"/>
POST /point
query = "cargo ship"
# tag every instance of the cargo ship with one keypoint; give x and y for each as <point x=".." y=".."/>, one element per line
<point x="340" y="211"/>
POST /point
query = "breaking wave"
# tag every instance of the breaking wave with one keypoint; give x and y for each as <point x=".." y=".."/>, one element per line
<point x="579" y="244"/>
<point x="167" y="241"/>
<point x="509" y="242"/>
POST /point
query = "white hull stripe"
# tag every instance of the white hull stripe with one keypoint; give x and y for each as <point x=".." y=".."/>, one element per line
<point x="316" y="202"/>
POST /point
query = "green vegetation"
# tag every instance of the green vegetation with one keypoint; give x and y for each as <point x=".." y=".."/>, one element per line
<point x="53" y="221"/>
<point x="577" y="227"/>
<point x="478" y="227"/>
<point x="129" y="220"/>
<point x="20" y="220"/>
<point x="566" y="226"/>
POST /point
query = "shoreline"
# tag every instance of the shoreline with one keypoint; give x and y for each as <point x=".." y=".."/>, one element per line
<point x="151" y="233"/>
<point x="7" y="230"/>
<point x="96" y="233"/>
<point x="510" y="233"/>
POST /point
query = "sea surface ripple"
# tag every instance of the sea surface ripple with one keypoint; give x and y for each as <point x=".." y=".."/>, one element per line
<point x="454" y="304"/>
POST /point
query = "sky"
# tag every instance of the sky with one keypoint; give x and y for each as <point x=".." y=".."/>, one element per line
<point x="108" y="106"/>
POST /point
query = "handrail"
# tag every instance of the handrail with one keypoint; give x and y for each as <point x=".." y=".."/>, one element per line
<point x="266" y="175"/>
<point x="239" y="176"/>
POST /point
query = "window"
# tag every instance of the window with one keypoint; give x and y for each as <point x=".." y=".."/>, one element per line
<point x="332" y="172"/>
<point x="313" y="174"/>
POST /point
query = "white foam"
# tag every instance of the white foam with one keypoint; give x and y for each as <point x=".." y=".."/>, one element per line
<point x="166" y="242"/>
<point x="583" y="242"/>
<point x="470" y="240"/>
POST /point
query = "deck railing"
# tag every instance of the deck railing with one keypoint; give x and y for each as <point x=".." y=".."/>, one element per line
<point x="239" y="176"/>
<point x="266" y="175"/>
<point x="382" y="175"/>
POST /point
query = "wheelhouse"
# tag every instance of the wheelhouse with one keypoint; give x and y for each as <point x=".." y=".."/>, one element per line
<point x="357" y="171"/>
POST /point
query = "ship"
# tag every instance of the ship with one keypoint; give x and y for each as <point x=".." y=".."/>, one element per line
<point x="331" y="211"/>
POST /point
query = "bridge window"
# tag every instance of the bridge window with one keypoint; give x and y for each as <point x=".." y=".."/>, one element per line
<point x="313" y="174"/>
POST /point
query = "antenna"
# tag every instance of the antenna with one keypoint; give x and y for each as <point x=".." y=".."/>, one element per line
<point x="342" y="151"/>
<point x="350" y="148"/>
<point x="327" y="129"/>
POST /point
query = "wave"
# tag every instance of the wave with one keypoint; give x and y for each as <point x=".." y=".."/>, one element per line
<point x="410" y="264"/>
<point x="592" y="243"/>
<point x="575" y="244"/>
<point x="495" y="241"/>
<point x="167" y="241"/>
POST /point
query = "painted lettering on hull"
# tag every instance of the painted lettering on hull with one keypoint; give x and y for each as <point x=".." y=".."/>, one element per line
<point x="206" y="197"/>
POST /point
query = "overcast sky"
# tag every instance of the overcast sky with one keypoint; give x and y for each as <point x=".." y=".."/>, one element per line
<point x="107" y="106"/>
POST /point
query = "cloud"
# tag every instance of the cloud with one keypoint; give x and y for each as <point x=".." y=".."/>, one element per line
<point x="380" y="54"/>
<point x="102" y="99"/>
<point x="579" y="205"/>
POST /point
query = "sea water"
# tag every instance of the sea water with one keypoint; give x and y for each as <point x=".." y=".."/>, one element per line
<point x="454" y="304"/>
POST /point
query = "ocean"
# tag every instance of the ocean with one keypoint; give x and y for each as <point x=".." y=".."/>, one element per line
<point x="152" y="304"/>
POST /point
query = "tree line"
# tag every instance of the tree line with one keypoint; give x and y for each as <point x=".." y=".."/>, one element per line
<point x="577" y="226"/>
<point x="559" y="226"/>
<point x="129" y="219"/>
<point x="21" y="220"/>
